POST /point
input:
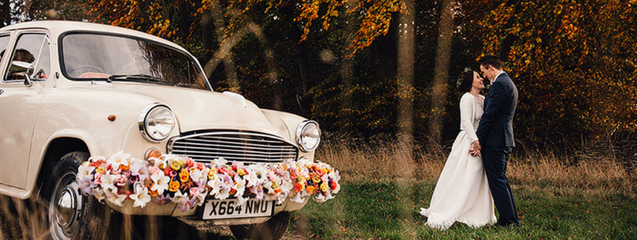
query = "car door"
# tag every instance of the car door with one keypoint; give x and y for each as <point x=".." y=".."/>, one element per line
<point x="20" y="100"/>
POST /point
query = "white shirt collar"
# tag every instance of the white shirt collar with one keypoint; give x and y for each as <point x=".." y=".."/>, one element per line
<point x="496" y="77"/>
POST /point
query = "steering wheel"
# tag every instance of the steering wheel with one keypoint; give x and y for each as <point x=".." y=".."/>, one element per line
<point x="86" y="66"/>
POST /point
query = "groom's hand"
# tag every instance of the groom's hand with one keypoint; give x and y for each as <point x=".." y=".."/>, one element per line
<point x="474" y="148"/>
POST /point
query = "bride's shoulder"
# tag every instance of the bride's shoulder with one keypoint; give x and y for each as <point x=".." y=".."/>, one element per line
<point x="466" y="97"/>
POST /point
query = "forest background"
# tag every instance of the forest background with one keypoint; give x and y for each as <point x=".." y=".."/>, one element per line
<point x="368" y="67"/>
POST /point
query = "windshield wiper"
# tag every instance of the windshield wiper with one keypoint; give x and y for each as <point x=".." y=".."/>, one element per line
<point x="137" y="77"/>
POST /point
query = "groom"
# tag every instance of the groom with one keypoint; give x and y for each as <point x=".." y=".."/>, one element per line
<point x="495" y="136"/>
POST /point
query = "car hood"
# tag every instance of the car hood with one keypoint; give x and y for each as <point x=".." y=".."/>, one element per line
<point x="199" y="110"/>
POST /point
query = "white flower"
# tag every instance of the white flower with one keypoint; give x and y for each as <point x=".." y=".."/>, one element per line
<point x="251" y="178"/>
<point x="157" y="162"/>
<point x="118" y="159"/>
<point x="196" y="175"/>
<point x="297" y="198"/>
<point x="115" y="198"/>
<point x="242" y="200"/>
<point x="107" y="182"/>
<point x="220" y="162"/>
<point x="161" y="182"/>
<point x="260" y="172"/>
<point x="179" y="198"/>
<point x="286" y="186"/>
<point x="140" y="195"/>
<point x="85" y="170"/>
<point x="98" y="193"/>
<point x="240" y="185"/>
<point x="225" y="186"/>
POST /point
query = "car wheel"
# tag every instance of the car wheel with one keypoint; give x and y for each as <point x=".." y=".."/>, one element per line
<point x="272" y="229"/>
<point x="72" y="215"/>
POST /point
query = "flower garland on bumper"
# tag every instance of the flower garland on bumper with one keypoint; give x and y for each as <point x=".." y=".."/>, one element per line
<point x="168" y="178"/>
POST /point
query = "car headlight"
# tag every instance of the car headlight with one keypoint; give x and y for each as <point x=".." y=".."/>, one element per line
<point x="156" y="122"/>
<point x="308" y="135"/>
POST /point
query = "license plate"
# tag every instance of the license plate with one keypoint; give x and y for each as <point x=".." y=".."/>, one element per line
<point x="230" y="208"/>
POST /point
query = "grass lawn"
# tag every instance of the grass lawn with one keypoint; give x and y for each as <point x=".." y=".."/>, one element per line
<point x="388" y="210"/>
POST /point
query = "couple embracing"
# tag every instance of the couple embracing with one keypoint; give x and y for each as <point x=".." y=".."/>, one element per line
<point x="474" y="176"/>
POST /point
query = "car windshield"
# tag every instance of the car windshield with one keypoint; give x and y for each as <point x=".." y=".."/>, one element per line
<point x="90" y="56"/>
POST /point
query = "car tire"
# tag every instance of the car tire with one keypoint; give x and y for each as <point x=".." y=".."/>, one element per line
<point x="272" y="229"/>
<point x="72" y="215"/>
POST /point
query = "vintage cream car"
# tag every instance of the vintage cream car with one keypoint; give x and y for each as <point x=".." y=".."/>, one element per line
<point x="70" y="90"/>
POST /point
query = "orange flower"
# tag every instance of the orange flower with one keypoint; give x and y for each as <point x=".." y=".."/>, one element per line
<point x="309" y="189"/>
<point x="298" y="187"/>
<point x="333" y="185"/>
<point x="173" y="186"/>
<point x="184" y="176"/>
<point x="125" y="166"/>
<point x="153" y="193"/>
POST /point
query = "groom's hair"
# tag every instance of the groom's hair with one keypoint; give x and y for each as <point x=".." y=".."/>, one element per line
<point x="491" y="60"/>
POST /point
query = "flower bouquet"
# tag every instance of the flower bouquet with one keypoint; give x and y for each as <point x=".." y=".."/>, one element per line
<point x="166" y="178"/>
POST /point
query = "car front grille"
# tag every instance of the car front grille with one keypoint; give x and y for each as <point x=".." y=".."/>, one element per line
<point x="248" y="147"/>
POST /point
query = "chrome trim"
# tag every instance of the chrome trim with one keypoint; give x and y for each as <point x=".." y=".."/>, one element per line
<point x="142" y="120"/>
<point x="249" y="147"/>
<point x="299" y="131"/>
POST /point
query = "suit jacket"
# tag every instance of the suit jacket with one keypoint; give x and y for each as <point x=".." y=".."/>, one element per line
<point x="496" y="124"/>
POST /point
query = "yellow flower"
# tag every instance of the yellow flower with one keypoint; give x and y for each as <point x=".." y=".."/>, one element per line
<point x="211" y="174"/>
<point x="176" y="165"/>
<point x="173" y="186"/>
<point x="316" y="178"/>
<point x="101" y="170"/>
<point x="324" y="187"/>
<point x="301" y="179"/>
<point x="241" y="172"/>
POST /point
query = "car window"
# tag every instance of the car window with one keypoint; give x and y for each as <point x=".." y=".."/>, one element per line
<point x="4" y="41"/>
<point x="88" y="56"/>
<point x="31" y="50"/>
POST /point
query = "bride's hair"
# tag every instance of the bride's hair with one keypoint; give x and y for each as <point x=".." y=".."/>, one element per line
<point x="465" y="80"/>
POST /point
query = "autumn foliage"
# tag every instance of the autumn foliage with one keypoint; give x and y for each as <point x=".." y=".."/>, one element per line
<point x="574" y="62"/>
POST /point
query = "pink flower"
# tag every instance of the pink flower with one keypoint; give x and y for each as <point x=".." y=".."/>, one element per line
<point x="153" y="170"/>
<point x="98" y="178"/>
<point x="194" y="192"/>
<point x="172" y="173"/>
<point x="120" y="180"/>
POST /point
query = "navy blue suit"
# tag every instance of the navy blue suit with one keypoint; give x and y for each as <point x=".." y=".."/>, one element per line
<point x="495" y="134"/>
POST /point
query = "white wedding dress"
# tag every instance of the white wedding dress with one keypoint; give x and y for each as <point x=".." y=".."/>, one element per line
<point x="462" y="193"/>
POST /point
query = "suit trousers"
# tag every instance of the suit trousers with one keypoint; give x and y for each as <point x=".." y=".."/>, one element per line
<point x="495" y="161"/>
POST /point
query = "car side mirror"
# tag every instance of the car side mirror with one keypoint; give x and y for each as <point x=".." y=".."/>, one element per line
<point x="29" y="70"/>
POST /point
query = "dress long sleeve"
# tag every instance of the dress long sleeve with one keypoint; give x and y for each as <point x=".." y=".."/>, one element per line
<point x="467" y="116"/>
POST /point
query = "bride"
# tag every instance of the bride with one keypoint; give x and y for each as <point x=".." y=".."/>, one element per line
<point x="462" y="193"/>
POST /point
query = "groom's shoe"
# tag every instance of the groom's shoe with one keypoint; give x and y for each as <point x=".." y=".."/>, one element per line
<point x="508" y="224"/>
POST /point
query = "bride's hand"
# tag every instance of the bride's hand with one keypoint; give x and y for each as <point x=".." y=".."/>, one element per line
<point x="474" y="149"/>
